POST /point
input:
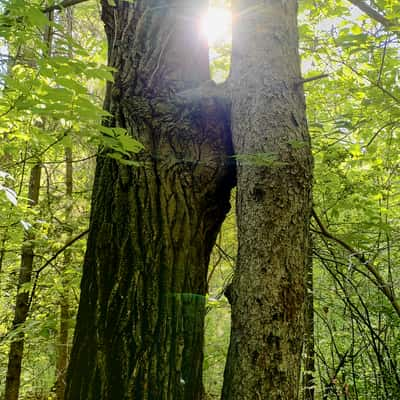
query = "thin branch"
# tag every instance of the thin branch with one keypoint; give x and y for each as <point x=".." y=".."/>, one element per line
<point x="50" y="260"/>
<point x="376" y="84"/>
<point x="382" y="284"/>
<point x="379" y="131"/>
<point x="314" y="78"/>
<point x="227" y="256"/>
<point x="375" y="15"/>
<point x="63" y="4"/>
<point x="213" y="269"/>
<point x="57" y="253"/>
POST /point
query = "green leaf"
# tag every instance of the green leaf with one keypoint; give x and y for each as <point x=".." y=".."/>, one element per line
<point x="356" y="30"/>
<point x="120" y="159"/>
<point x="37" y="17"/>
<point x="58" y="95"/>
<point x="10" y="194"/>
<point x="297" y="144"/>
<point x="117" y="139"/>
<point x="71" y="84"/>
<point x="102" y="73"/>
<point x="25" y="287"/>
<point x="128" y="143"/>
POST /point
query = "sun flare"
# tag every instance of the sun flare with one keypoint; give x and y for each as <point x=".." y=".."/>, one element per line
<point x="216" y="26"/>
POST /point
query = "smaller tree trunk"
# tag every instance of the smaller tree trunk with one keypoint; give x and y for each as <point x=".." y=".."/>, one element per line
<point x="309" y="352"/>
<point x="22" y="302"/>
<point x="273" y="204"/>
<point x="2" y="252"/>
<point x="63" y="336"/>
<point x="63" y="348"/>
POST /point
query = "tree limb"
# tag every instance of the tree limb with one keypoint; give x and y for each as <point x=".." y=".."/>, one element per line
<point x="50" y="260"/>
<point x="375" y="15"/>
<point x="63" y="4"/>
<point x="314" y="78"/>
<point x="382" y="285"/>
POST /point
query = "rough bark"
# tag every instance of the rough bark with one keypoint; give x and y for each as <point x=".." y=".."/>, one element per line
<point x="273" y="204"/>
<point x="16" y="351"/>
<point x="139" y="332"/>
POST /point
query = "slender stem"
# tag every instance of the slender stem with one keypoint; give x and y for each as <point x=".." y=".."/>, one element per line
<point x="382" y="285"/>
<point x="56" y="254"/>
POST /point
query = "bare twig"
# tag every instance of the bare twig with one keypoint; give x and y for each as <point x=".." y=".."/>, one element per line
<point x="50" y="260"/>
<point x="382" y="285"/>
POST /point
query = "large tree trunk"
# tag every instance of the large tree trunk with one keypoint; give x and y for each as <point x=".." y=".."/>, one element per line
<point x="273" y="204"/>
<point x="139" y="332"/>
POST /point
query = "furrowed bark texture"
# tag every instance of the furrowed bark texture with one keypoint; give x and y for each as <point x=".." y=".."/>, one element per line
<point x="273" y="204"/>
<point x="139" y="332"/>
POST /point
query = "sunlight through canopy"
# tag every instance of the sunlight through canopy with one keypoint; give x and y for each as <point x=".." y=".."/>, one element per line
<point x="216" y="26"/>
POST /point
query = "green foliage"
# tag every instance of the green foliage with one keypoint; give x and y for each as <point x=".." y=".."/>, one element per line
<point x="354" y="117"/>
<point x="51" y="101"/>
<point x="119" y="145"/>
<point x="10" y="194"/>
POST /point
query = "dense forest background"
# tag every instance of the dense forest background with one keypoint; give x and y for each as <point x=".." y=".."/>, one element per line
<point x="52" y="82"/>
